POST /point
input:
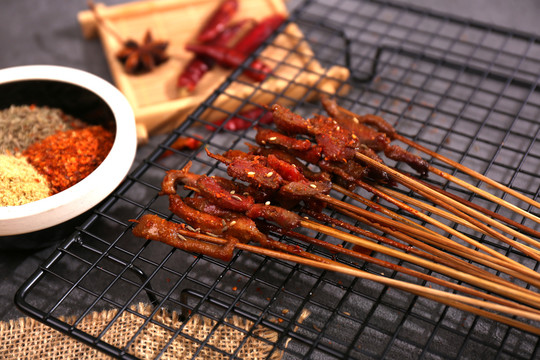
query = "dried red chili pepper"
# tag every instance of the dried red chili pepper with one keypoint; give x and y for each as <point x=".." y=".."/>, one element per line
<point x="260" y="32"/>
<point x="241" y="121"/>
<point x="192" y="74"/>
<point x="67" y="157"/>
<point x="218" y="21"/>
<point x="231" y="58"/>
<point x="182" y="143"/>
<point x="199" y="65"/>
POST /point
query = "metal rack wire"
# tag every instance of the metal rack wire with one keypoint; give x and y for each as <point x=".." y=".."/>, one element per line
<point x="466" y="90"/>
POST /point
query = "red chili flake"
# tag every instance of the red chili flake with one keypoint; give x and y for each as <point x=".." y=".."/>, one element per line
<point x="234" y="288"/>
<point x="182" y="143"/>
<point x="67" y="157"/>
<point x="241" y="122"/>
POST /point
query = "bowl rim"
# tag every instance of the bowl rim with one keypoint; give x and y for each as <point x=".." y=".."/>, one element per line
<point x="87" y="193"/>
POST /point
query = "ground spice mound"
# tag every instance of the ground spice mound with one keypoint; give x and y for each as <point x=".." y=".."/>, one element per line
<point x="20" y="182"/>
<point x="66" y="158"/>
<point x="23" y="125"/>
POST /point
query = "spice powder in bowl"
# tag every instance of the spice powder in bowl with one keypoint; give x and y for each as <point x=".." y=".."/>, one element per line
<point x="44" y="151"/>
<point x="80" y="137"/>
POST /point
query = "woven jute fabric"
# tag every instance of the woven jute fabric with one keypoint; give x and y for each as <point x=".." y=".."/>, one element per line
<point x="26" y="338"/>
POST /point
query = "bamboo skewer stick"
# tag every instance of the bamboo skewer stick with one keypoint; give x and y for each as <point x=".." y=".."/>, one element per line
<point x="378" y="207"/>
<point x="474" y="310"/>
<point x="452" y="205"/>
<point x="462" y="210"/>
<point x="478" y="176"/>
<point x="426" y="207"/>
<point x="433" y="192"/>
<point x="394" y="267"/>
<point x="524" y="295"/>
<point x="533" y="253"/>
<point x="469" y="172"/>
<point x="465" y="252"/>
<point x="511" y="263"/>
<point x="433" y="238"/>
<point x="446" y="258"/>
<point x="401" y="235"/>
<point x="437" y="255"/>
<point x="477" y="207"/>
<point x="430" y="208"/>
<point x="505" y="264"/>
<point x="368" y="234"/>
<point x="459" y="301"/>
<point x="434" y="222"/>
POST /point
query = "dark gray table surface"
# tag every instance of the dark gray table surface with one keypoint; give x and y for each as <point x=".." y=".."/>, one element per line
<point x="47" y="32"/>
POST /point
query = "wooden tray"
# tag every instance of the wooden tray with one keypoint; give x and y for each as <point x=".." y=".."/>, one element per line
<point x="153" y="96"/>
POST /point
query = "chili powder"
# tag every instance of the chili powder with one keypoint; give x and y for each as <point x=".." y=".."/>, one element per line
<point x="67" y="157"/>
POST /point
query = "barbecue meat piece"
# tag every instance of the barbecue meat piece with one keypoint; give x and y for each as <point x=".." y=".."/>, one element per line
<point x="278" y="215"/>
<point x="350" y="122"/>
<point x="245" y="229"/>
<point x="311" y="154"/>
<point x="152" y="227"/>
<point x="376" y="133"/>
<point x="238" y="225"/>
<point x="228" y="193"/>
<point x="195" y="218"/>
<point x="287" y="171"/>
<point x="372" y="172"/>
<point x="348" y="172"/>
<point x="173" y="177"/>
<point x="374" y="140"/>
<point x="378" y="123"/>
<point x="337" y="143"/>
<point x="329" y="139"/>
<point x="291" y="159"/>
<point x="258" y="194"/>
<point x="397" y="153"/>
<point x="204" y="205"/>
<point x="341" y="137"/>
<point x="237" y="154"/>
<point x="253" y="171"/>
<point x="270" y="137"/>
<point x="305" y="189"/>
<point x="288" y="122"/>
<point x="213" y="189"/>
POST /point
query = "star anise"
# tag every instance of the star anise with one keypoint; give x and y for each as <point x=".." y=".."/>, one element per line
<point x="140" y="58"/>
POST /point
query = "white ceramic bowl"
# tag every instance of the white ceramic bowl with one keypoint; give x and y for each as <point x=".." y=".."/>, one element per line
<point x="84" y="96"/>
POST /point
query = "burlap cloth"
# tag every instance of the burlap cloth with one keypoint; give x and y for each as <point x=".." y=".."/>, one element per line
<point x="26" y="338"/>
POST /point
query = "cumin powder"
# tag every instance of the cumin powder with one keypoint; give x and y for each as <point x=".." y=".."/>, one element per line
<point x="20" y="183"/>
<point x="23" y="125"/>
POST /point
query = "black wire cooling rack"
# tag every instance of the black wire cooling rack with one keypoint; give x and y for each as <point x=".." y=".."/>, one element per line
<point x="463" y="89"/>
